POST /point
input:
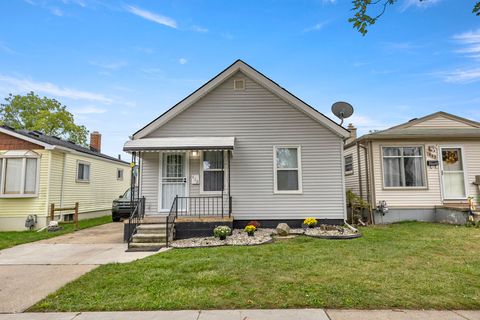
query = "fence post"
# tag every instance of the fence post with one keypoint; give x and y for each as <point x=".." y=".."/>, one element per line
<point x="75" y="215"/>
<point x="52" y="211"/>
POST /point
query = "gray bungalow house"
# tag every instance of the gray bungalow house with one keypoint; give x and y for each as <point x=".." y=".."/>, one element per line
<point x="241" y="148"/>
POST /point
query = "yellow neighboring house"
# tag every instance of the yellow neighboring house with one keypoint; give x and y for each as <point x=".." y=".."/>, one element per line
<point x="37" y="170"/>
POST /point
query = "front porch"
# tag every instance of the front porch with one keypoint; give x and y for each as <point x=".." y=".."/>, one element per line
<point x="184" y="181"/>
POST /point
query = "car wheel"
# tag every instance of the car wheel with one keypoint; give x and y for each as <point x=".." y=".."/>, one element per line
<point x="115" y="219"/>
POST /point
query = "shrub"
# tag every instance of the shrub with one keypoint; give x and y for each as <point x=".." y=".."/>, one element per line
<point x="250" y="229"/>
<point x="310" y="222"/>
<point x="222" y="232"/>
<point x="254" y="223"/>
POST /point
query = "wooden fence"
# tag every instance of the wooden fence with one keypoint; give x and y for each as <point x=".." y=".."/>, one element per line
<point x="75" y="212"/>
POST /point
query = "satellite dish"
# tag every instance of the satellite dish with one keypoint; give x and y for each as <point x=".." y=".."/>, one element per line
<point x="342" y="110"/>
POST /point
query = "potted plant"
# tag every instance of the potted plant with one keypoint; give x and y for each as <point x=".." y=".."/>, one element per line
<point x="310" y="222"/>
<point x="250" y="230"/>
<point x="221" y="232"/>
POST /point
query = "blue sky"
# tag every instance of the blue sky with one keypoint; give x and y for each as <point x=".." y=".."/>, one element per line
<point x="119" y="64"/>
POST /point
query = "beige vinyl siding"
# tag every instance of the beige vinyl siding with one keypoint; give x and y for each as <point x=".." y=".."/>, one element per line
<point x="441" y="122"/>
<point x="432" y="195"/>
<point x="259" y="120"/>
<point x="56" y="175"/>
<point x="149" y="181"/>
<point x="102" y="189"/>
<point x="352" y="181"/>
<point x="21" y="207"/>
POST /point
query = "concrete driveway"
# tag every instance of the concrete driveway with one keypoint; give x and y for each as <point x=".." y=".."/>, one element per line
<point x="31" y="271"/>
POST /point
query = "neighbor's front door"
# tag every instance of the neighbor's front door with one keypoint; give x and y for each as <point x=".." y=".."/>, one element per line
<point x="174" y="179"/>
<point x="453" y="173"/>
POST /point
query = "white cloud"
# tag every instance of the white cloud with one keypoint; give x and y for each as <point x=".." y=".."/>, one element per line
<point x="151" y="16"/>
<point x="6" y="49"/>
<point x="365" y="123"/>
<point x="471" y="43"/>
<point x="463" y="76"/>
<point x="329" y="1"/>
<point x="316" y="27"/>
<point x="182" y="61"/>
<point x="26" y="85"/>
<point x="199" y="29"/>
<point x="114" y="65"/>
<point x="88" y="110"/>
<point x="418" y="4"/>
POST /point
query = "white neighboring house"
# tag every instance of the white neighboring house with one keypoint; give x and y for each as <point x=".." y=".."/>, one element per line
<point x="425" y="169"/>
<point x="243" y="147"/>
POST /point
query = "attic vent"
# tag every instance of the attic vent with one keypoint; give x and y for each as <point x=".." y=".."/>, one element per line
<point x="239" y="84"/>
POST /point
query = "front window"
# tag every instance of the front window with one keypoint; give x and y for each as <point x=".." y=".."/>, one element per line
<point x="213" y="171"/>
<point x="403" y="167"/>
<point x="119" y="174"/>
<point x="83" y="171"/>
<point x="18" y="173"/>
<point x="349" y="164"/>
<point x="287" y="170"/>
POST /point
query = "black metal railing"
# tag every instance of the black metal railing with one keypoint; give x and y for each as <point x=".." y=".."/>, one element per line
<point x="170" y="222"/>
<point x="202" y="206"/>
<point x="136" y="216"/>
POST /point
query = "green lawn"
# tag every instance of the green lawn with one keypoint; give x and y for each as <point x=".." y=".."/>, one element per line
<point x="408" y="265"/>
<point x="12" y="238"/>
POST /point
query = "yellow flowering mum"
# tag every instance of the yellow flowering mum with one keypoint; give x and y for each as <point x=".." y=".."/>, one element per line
<point x="310" y="222"/>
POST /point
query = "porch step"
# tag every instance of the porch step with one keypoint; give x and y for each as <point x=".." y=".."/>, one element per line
<point x="151" y="246"/>
<point x="152" y="228"/>
<point x="148" y="238"/>
<point x="153" y="220"/>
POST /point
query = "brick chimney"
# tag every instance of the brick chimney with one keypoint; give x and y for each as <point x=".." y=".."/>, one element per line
<point x="353" y="133"/>
<point x="96" y="141"/>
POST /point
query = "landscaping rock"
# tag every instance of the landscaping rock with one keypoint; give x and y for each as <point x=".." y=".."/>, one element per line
<point x="283" y="229"/>
<point x="238" y="238"/>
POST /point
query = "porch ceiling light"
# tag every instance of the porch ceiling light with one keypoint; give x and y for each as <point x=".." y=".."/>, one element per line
<point x="194" y="153"/>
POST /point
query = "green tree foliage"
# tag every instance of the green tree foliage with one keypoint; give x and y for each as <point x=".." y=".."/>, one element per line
<point x="362" y="20"/>
<point x="30" y="112"/>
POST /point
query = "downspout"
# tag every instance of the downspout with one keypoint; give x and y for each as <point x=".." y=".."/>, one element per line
<point x="62" y="185"/>
<point x="360" y="184"/>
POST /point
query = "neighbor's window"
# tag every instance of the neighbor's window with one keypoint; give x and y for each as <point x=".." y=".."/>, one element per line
<point x="212" y="171"/>
<point x="18" y="173"/>
<point x="403" y="167"/>
<point x="83" y="171"/>
<point x="119" y="174"/>
<point x="349" y="164"/>
<point x="287" y="170"/>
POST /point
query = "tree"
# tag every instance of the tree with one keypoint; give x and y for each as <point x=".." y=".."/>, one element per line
<point x="361" y="20"/>
<point x="30" y="112"/>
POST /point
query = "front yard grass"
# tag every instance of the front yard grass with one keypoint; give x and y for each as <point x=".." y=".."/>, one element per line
<point x="12" y="238"/>
<point x="409" y="265"/>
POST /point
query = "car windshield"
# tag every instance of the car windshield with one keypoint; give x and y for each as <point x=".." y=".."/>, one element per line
<point x="127" y="194"/>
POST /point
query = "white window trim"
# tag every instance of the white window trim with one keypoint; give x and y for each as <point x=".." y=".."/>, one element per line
<point x="89" y="172"/>
<point x="224" y="175"/>
<point x="22" y="194"/>
<point x="350" y="172"/>
<point x="118" y="170"/>
<point x="425" y="179"/>
<point x="299" y="169"/>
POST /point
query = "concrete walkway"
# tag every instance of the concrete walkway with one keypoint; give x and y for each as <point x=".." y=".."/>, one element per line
<point x="29" y="272"/>
<point x="283" y="314"/>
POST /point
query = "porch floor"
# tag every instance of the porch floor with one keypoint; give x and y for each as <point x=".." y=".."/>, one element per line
<point x="204" y="219"/>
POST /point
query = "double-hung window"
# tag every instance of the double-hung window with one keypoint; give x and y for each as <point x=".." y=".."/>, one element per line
<point x="403" y="167"/>
<point x="349" y="164"/>
<point x="287" y="169"/>
<point x="83" y="171"/>
<point x="119" y="174"/>
<point x="19" y="173"/>
<point x="212" y="171"/>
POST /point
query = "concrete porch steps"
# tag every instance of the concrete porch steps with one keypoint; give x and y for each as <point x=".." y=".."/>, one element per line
<point x="150" y="236"/>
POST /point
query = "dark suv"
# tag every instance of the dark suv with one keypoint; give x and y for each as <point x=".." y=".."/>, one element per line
<point x="121" y="206"/>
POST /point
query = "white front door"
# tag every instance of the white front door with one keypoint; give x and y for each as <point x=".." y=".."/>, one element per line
<point x="173" y="179"/>
<point x="453" y="173"/>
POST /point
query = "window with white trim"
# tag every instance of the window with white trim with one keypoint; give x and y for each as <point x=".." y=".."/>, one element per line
<point x="349" y="164"/>
<point x="403" y="167"/>
<point x="119" y="174"/>
<point x="19" y="173"/>
<point x="212" y="171"/>
<point x="287" y="169"/>
<point x="83" y="171"/>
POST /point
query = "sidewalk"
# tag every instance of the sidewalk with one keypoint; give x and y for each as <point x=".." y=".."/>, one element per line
<point x="282" y="314"/>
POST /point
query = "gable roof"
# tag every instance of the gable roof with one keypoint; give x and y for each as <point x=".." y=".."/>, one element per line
<point x="409" y="130"/>
<point x="51" y="142"/>
<point x="257" y="76"/>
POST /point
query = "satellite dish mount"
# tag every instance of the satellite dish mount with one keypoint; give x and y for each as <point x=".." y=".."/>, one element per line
<point x="342" y="110"/>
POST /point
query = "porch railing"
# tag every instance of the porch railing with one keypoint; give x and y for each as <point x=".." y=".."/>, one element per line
<point x="135" y="218"/>
<point x="220" y="206"/>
